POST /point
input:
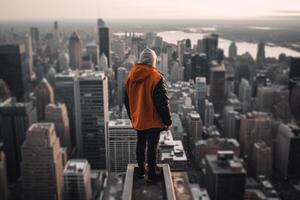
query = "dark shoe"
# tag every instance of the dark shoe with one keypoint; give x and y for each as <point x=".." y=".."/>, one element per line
<point x="141" y="172"/>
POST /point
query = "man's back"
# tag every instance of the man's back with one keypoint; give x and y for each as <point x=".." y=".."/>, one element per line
<point x="140" y="86"/>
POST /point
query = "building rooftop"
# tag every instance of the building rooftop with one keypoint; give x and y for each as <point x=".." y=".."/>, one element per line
<point x="91" y="75"/>
<point x="201" y="79"/>
<point x="12" y="48"/>
<point x="41" y="126"/>
<point x="194" y="115"/>
<point x="120" y="123"/>
<point x="229" y="166"/>
<point x="76" y="166"/>
<point x="171" y="149"/>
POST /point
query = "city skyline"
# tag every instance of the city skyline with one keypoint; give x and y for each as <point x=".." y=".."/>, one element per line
<point x="230" y="92"/>
<point x="189" y="9"/>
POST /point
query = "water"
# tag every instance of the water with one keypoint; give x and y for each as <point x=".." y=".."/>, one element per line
<point x="243" y="47"/>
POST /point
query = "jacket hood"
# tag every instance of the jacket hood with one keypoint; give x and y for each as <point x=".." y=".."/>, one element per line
<point x="148" y="57"/>
<point x="141" y="72"/>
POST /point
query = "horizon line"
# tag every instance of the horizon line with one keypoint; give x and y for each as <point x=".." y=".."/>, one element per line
<point x="222" y="18"/>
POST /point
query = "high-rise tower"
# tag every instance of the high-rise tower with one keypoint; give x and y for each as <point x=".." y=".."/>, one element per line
<point x="44" y="96"/>
<point x="122" y="143"/>
<point x="14" y="70"/>
<point x="121" y="79"/>
<point x="58" y="115"/>
<point x="42" y="167"/>
<point x="91" y="106"/>
<point x="75" y="47"/>
<point x="104" y="40"/>
<point x="15" y="119"/>
<point x="77" y="180"/>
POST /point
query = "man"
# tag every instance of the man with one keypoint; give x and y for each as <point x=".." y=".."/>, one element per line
<point x="147" y="106"/>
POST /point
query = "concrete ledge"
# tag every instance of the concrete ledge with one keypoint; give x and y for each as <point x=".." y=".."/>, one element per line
<point x="164" y="189"/>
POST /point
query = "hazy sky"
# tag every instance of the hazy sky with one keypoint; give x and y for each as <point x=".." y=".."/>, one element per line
<point x="120" y="9"/>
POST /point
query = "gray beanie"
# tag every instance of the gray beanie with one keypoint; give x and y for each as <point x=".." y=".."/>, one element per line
<point x="148" y="57"/>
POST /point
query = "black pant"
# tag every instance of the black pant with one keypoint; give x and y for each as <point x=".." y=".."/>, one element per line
<point x="151" y="137"/>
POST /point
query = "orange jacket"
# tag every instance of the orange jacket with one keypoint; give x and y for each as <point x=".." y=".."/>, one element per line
<point x="140" y="85"/>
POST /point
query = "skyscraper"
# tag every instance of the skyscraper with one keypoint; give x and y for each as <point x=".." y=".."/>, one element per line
<point x="208" y="113"/>
<point x="104" y="40"/>
<point x="287" y="160"/>
<point x="29" y="55"/>
<point x="217" y="87"/>
<point x="137" y="46"/>
<point x="194" y="125"/>
<point x="75" y="47"/>
<point x="3" y="175"/>
<point x="225" y="176"/>
<point x="121" y="79"/>
<point x="177" y="72"/>
<point x="294" y="99"/>
<point x="255" y="127"/>
<point x="262" y="160"/>
<point x="57" y="37"/>
<point x="220" y="55"/>
<point x="261" y="54"/>
<point x="103" y="63"/>
<point x="295" y="68"/>
<point x="265" y="98"/>
<point x="44" y="96"/>
<point x="294" y="87"/>
<point x="91" y="108"/>
<point x="58" y="115"/>
<point x="194" y="129"/>
<point x="93" y="51"/>
<point x="181" y="47"/>
<point x="245" y="67"/>
<point x="64" y="61"/>
<point x="163" y="64"/>
<point x="42" y="168"/>
<point x="122" y="144"/>
<point x="187" y="64"/>
<point x="210" y="46"/>
<point x="231" y="122"/>
<point x="232" y="50"/>
<point x="14" y="70"/>
<point x="200" y="95"/>
<point x="35" y="36"/>
<point x="77" y="180"/>
<point x="245" y="95"/>
<point x="15" y="119"/>
<point x="199" y="66"/>
<point x="65" y="93"/>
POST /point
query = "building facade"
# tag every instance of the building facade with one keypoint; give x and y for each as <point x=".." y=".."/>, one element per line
<point x="75" y="48"/>
<point x="77" y="180"/>
<point x="91" y="111"/>
<point x="15" y="119"/>
<point x="122" y="144"/>
<point x="14" y="71"/>
<point x="42" y="167"/>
